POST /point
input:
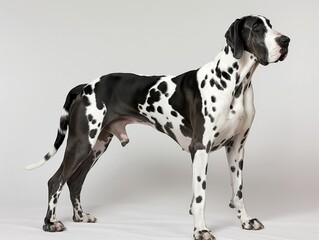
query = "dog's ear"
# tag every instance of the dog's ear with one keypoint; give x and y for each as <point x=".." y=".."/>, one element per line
<point x="233" y="38"/>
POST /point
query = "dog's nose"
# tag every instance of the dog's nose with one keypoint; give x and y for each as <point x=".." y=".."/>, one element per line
<point x="284" y="41"/>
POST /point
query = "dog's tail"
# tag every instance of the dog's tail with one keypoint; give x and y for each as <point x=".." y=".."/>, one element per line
<point x="64" y="122"/>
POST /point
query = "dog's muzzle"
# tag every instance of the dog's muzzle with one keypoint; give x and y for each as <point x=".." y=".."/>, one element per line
<point x="283" y="41"/>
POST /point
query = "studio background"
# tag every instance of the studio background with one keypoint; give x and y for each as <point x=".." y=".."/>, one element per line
<point x="143" y="191"/>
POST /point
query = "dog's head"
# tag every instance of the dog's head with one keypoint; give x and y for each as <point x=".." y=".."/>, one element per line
<point x="254" y="34"/>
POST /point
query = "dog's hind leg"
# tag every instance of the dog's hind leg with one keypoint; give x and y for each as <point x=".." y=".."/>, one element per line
<point x="77" y="179"/>
<point x="78" y="148"/>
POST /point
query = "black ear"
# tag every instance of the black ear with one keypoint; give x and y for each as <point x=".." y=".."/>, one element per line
<point x="233" y="38"/>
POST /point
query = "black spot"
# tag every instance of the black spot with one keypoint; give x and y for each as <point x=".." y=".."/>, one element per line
<point x="104" y="112"/>
<point x="226" y="75"/>
<point x="199" y="179"/>
<point x="93" y="121"/>
<point x="205" y="102"/>
<point x="211" y="118"/>
<point x="215" y="128"/>
<point x="90" y="117"/>
<point x="158" y="126"/>
<point x="205" y="111"/>
<point x="98" y="153"/>
<point x="248" y="75"/>
<point x="88" y="90"/>
<point x="235" y="65"/>
<point x="206" y="169"/>
<point x="214" y="148"/>
<point x="204" y="185"/>
<point x="174" y="114"/>
<point x="241" y="164"/>
<point x="160" y="110"/>
<point x="55" y="200"/>
<point x="237" y="173"/>
<point x="99" y="125"/>
<point x="93" y="133"/>
<point x="223" y="83"/>
<point x="246" y="133"/>
<point x="169" y="125"/>
<point x="239" y="194"/>
<point x="218" y="86"/>
<point x="154" y="96"/>
<point x="237" y="78"/>
<point x="231" y="107"/>
<point x="199" y="199"/>
<point x="213" y="99"/>
<point x="212" y="82"/>
<point x="80" y="213"/>
<point x="150" y="108"/>
<point x="233" y="111"/>
<point x="216" y="135"/>
<point x="208" y="146"/>
<point x="214" y="109"/>
<point x="203" y="83"/>
<point x="233" y="169"/>
<point x="240" y="187"/>
<point x="230" y="70"/>
<point x="162" y="87"/>
<point x="218" y="71"/>
<point x="47" y="156"/>
<point x="238" y="90"/>
<point x="212" y="71"/>
<point x="243" y="140"/>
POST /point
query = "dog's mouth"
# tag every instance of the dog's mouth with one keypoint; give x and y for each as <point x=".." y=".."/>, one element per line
<point x="284" y="53"/>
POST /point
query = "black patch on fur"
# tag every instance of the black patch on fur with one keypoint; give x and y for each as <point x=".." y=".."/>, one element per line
<point x="226" y="75"/>
<point x="241" y="164"/>
<point x="174" y="114"/>
<point x="93" y="133"/>
<point x="204" y="185"/>
<point x="238" y="90"/>
<point x="199" y="199"/>
<point x="88" y="90"/>
<point x="239" y="194"/>
<point x="162" y="87"/>
<point x="235" y="65"/>
<point x="160" y="110"/>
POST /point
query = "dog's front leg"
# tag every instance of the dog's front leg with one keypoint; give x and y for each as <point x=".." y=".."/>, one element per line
<point x="199" y="158"/>
<point x="235" y="156"/>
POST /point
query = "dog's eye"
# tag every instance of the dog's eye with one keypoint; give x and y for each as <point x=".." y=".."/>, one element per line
<point x="256" y="27"/>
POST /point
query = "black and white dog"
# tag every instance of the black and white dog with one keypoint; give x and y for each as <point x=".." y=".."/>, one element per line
<point x="202" y="110"/>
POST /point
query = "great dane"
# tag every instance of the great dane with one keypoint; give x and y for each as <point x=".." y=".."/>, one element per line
<point x="202" y="110"/>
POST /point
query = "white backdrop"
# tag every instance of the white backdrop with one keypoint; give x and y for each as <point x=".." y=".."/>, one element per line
<point x="47" y="47"/>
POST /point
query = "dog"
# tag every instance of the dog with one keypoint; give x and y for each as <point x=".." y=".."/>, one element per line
<point x="202" y="110"/>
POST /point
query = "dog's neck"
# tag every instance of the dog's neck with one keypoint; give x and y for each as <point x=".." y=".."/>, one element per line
<point x="245" y="66"/>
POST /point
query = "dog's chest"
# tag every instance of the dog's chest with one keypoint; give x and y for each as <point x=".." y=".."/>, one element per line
<point x="228" y="123"/>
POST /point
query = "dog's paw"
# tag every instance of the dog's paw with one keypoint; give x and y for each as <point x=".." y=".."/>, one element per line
<point x="54" y="227"/>
<point x="203" y="235"/>
<point x="85" y="217"/>
<point x="252" y="224"/>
